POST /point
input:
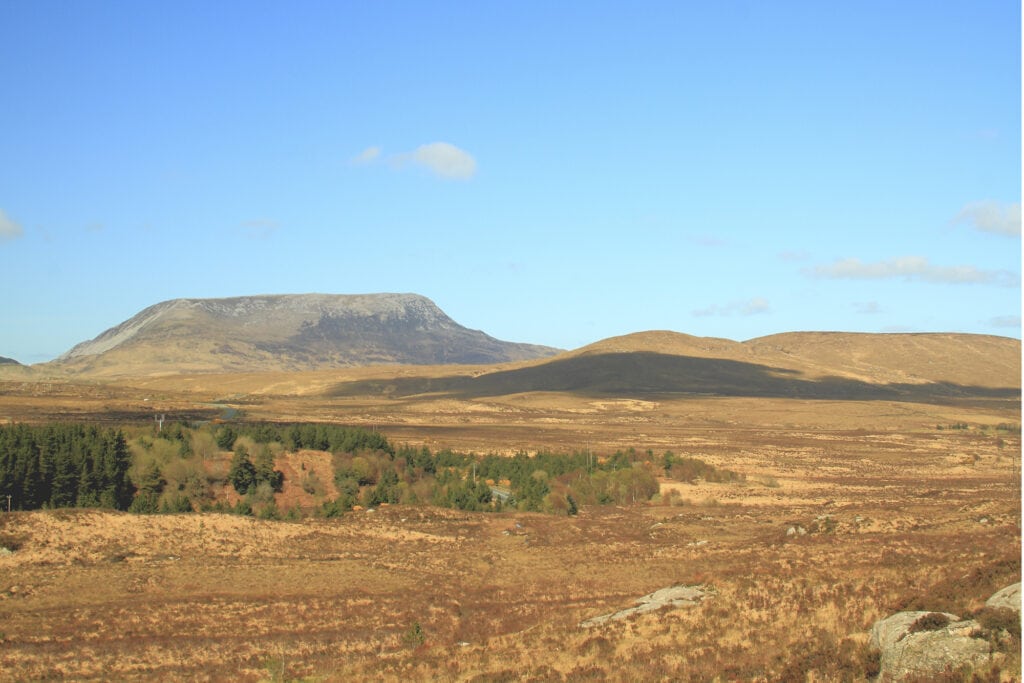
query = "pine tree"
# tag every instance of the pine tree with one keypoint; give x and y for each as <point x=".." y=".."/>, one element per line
<point x="242" y="474"/>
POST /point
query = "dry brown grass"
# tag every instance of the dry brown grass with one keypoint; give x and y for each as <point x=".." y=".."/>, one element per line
<point x="898" y="514"/>
<point x="91" y="595"/>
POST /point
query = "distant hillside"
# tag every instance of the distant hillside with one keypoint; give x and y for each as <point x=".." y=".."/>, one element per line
<point x="8" y="361"/>
<point x="890" y="358"/>
<point x="288" y="332"/>
<point x="813" y="365"/>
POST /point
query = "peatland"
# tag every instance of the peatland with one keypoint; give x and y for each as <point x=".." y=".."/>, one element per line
<point x="851" y="505"/>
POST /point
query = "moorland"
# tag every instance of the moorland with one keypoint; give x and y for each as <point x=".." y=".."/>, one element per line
<point x="842" y="478"/>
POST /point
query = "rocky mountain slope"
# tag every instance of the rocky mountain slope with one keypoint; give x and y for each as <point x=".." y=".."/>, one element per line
<point x="288" y="332"/>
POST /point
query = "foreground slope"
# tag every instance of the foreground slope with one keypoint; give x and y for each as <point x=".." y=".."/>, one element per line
<point x="891" y="521"/>
<point x="287" y="332"/>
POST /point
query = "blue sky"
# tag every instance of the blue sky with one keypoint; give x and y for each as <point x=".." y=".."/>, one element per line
<point x="554" y="173"/>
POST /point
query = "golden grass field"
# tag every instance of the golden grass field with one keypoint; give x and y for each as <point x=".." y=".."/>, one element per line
<point x="898" y="514"/>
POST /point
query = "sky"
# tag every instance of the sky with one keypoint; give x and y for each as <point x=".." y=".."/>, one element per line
<point x="551" y="173"/>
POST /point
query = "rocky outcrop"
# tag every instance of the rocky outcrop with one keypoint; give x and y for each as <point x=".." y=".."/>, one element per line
<point x="675" y="596"/>
<point x="926" y="644"/>
<point x="1007" y="598"/>
<point x="922" y="645"/>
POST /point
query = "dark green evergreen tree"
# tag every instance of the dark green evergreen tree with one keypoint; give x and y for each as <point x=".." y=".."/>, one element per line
<point x="263" y="470"/>
<point x="242" y="473"/>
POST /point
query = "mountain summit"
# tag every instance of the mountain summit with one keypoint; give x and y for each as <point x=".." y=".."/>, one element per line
<point x="289" y="332"/>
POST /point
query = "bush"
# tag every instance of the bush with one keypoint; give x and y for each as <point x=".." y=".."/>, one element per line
<point x="932" y="621"/>
<point x="176" y="503"/>
<point x="996" y="619"/>
<point x="145" y="504"/>
<point x="415" y="636"/>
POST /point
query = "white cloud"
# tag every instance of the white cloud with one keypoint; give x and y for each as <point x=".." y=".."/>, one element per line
<point x="991" y="216"/>
<point x="913" y="268"/>
<point x="440" y="158"/>
<point x="445" y="160"/>
<point x="9" y="230"/>
<point x="749" y="307"/>
<point x="367" y="156"/>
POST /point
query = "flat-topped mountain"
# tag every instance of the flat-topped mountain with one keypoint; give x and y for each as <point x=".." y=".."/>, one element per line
<point x="288" y="332"/>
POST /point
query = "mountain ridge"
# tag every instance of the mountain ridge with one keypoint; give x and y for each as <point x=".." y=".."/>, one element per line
<point x="288" y="332"/>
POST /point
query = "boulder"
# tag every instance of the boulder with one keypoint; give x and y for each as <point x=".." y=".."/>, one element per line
<point x="1007" y="598"/>
<point x="675" y="596"/>
<point x="925" y="644"/>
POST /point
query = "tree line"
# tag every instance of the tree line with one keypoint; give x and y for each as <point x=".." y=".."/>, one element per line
<point x="179" y="468"/>
<point x="64" y="465"/>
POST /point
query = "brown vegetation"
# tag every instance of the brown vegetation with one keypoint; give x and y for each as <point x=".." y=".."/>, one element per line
<point x="894" y="520"/>
<point x="894" y="514"/>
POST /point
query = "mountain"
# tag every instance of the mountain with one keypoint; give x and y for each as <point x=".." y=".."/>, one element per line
<point x="8" y="361"/>
<point x="288" y="332"/>
<point x="812" y="365"/>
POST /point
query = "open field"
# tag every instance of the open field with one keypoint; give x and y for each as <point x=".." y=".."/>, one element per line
<point x="859" y="500"/>
<point x="897" y="512"/>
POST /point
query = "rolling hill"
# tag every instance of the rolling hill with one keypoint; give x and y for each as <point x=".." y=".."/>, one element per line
<point x="811" y="365"/>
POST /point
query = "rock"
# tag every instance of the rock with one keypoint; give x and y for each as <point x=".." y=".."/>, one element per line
<point x="796" y="531"/>
<point x="908" y="652"/>
<point x="1008" y="598"/>
<point x="675" y="596"/>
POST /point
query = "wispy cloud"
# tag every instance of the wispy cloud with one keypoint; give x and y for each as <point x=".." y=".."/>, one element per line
<point x="867" y="307"/>
<point x="749" y="307"/>
<point x="9" y="230"/>
<point x="443" y="159"/>
<point x="709" y="241"/>
<point x="367" y="156"/>
<point x="793" y="256"/>
<point x="260" y="228"/>
<point x="913" y="268"/>
<point x="1005" y="321"/>
<point x="991" y="216"/>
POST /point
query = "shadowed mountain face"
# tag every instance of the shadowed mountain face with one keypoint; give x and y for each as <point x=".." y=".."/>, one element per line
<point x="289" y="332"/>
<point x="832" y="366"/>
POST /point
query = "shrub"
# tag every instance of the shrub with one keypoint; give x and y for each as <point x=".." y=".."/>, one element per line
<point x="932" y="621"/>
<point x="996" y="619"/>
<point x="145" y="503"/>
<point x="415" y="636"/>
<point x="176" y="503"/>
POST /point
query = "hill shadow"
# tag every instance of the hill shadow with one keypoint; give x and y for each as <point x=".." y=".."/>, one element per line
<point x="648" y="373"/>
